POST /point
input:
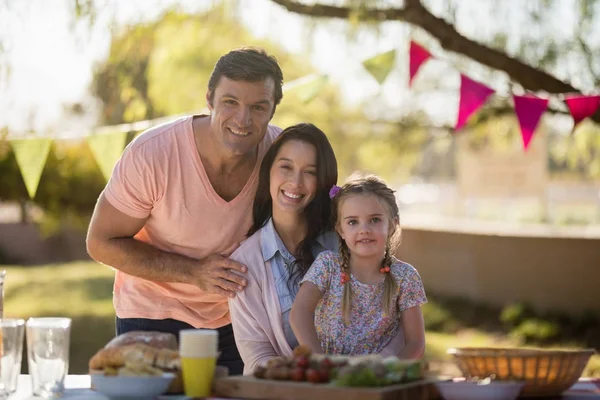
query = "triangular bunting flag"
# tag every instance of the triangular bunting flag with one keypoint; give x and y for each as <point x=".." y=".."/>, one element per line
<point x="381" y="65"/>
<point x="31" y="155"/>
<point x="107" y="149"/>
<point x="309" y="90"/>
<point x="472" y="96"/>
<point x="417" y="56"/>
<point x="529" y="110"/>
<point x="582" y="107"/>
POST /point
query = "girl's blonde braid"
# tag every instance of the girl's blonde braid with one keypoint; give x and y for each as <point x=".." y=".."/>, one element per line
<point x="347" y="295"/>
<point x="389" y="283"/>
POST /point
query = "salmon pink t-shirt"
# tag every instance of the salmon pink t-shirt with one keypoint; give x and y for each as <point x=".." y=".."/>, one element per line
<point x="160" y="177"/>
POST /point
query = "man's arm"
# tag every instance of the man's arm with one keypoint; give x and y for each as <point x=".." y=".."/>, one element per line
<point x="110" y="241"/>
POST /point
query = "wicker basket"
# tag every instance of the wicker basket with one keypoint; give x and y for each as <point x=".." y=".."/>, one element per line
<point x="545" y="372"/>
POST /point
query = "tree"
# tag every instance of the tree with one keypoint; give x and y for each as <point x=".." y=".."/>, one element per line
<point x="492" y="55"/>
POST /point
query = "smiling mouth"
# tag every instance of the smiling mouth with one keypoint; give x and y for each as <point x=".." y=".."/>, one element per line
<point x="365" y="241"/>
<point x="238" y="133"/>
<point x="292" y="196"/>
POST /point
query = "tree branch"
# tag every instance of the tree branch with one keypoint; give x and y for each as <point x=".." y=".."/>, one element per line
<point x="326" y="11"/>
<point x="450" y="39"/>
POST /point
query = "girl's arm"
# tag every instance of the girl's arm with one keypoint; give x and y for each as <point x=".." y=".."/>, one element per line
<point x="414" y="333"/>
<point x="302" y="316"/>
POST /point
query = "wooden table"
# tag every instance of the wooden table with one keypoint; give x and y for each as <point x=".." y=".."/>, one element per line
<point x="78" y="388"/>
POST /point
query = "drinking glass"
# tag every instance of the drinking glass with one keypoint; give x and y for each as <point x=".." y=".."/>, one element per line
<point x="2" y="277"/>
<point x="11" y="331"/>
<point x="198" y="349"/>
<point x="48" y="354"/>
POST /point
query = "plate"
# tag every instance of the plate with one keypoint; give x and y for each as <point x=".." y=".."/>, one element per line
<point x="466" y="390"/>
<point x="123" y="387"/>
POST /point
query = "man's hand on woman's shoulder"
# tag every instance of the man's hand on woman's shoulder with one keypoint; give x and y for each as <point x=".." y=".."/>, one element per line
<point x="220" y="275"/>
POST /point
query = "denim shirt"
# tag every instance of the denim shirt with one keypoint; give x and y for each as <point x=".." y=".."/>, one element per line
<point x="274" y="250"/>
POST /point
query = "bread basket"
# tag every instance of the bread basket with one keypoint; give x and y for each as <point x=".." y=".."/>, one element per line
<point x="546" y="372"/>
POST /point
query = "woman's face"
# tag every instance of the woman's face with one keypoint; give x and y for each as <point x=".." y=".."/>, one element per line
<point x="293" y="177"/>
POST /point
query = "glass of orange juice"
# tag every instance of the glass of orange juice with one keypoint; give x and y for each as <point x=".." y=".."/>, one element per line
<point x="198" y="350"/>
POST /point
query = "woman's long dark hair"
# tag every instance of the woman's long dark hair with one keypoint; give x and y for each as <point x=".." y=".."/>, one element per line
<point x="318" y="212"/>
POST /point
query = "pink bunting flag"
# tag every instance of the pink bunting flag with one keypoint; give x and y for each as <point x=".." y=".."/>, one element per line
<point x="472" y="97"/>
<point x="417" y="56"/>
<point x="582" y="107"/>
<point x="529" y="110"/>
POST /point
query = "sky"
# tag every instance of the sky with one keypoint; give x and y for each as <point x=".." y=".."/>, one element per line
<point x="51" y="57"/>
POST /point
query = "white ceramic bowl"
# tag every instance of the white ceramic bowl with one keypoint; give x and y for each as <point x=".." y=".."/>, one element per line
<point x="121" y="387"/>
<point x="465" y="390"/>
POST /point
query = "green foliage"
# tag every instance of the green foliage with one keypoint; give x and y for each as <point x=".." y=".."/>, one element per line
<point x="13" y="187"/>
<point x="578" y="152"/>
<point x="536" y="331"/>
<point x="121" y="82"/>
<point x="514" y="314"/>
<point x="438" y="319"/>
<point x="518" y="321"/>
<point x="69" y="186"/>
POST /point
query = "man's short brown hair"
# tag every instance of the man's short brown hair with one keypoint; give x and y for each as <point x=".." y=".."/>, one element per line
<point x="250" y="64"/>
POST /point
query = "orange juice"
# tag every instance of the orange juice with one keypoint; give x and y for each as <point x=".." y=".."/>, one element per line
<point x="198" y="349"/>
<point x="198" y="374"/>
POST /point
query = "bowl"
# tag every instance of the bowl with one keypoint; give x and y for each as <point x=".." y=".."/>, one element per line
<point x="546" y="372"/>
<point x="122" y="387"/>
<point x="468" y="390"/>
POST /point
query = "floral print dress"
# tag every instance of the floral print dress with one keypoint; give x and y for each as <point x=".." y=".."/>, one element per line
<point x="370" y="329"/>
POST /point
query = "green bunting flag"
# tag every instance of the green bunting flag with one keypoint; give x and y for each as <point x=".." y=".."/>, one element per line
<point x="308" y="87"/>
<point x="381" y="65"/>
<point x="31" y="155"/>
<point x="107" y="149"/>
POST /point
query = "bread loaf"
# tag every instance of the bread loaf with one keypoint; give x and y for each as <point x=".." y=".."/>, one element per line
<point x="115" y="357"/>
<point x="160" y="340"/>
<point x="128" y="353"/>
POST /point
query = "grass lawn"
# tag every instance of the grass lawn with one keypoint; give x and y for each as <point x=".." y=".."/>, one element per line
<point x="83" y="291"/>
<point x="80" y="290"/>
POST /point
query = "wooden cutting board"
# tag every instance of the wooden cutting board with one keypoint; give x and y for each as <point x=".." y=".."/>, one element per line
<point x="248" y="387"/>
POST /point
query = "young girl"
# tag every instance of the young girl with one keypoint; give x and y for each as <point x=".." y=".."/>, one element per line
<point x="356" y="301"/>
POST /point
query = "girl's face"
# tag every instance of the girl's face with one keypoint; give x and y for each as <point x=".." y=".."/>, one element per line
<point x="293" y="177"/>
<point x="365" y="226"/>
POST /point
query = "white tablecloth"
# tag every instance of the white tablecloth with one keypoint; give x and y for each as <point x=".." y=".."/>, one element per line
<point x="76" y="387"/>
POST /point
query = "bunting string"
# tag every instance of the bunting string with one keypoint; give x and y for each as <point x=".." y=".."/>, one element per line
<point x="528" y="108"/>
<point x="107" y="143"/>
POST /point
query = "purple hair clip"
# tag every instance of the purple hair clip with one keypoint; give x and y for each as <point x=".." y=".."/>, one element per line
<point x="334" y="191"/>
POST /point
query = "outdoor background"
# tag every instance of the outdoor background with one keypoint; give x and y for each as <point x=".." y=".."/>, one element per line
<point x="506" y="240"/>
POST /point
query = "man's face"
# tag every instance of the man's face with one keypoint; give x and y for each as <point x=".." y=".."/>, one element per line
<point x="240" y="113"/>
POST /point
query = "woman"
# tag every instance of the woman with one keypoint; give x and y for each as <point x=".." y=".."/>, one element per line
<point x="291" y="227"/>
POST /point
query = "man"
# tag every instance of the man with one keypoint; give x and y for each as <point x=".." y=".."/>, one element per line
<point x="180" y="201"/>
